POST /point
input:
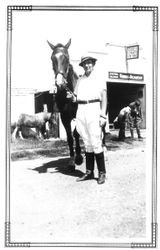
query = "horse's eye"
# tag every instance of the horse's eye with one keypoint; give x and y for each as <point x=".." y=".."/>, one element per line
<point x="54" y="59"/>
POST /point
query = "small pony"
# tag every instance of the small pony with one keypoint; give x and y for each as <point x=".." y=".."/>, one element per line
<point x="38" y="121"/>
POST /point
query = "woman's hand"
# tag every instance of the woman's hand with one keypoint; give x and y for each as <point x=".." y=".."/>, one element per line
<point x="102" y="121"/>
<point x="71" y="96"/>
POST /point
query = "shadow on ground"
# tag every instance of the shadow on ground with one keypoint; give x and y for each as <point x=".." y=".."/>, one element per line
<point x="61" y="166"/>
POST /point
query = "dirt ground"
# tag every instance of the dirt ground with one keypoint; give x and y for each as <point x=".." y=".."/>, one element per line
<point x="47" y="205"/>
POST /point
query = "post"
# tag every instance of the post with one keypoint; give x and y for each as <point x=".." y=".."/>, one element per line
<point x="126" y="59"/>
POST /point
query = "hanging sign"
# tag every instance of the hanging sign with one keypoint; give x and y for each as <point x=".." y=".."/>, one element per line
<point x="126" y="76"/>
<point x="132" y="52"/>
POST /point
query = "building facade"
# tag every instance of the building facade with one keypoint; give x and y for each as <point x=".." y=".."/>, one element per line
<point x="126" y="74"/>
<point x="22" y="101"/>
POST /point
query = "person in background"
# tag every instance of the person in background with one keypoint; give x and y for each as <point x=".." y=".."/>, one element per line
<point x="91" y="95"/>
<point x="136" y="118"/>
<point x="122" y="119"/>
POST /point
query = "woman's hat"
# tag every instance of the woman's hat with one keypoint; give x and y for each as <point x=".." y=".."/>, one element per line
<point x="86" y="58"/>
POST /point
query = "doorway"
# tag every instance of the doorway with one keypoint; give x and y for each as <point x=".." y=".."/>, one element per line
<point x="121" y="94"/>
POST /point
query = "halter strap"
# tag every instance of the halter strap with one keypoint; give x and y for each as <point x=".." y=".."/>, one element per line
<point x="65" y="81"/>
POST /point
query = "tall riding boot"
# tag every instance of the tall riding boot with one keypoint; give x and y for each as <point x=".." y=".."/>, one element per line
<point x="89" y="167"/>
<point x="101" y="167"/>
<point x="132" y="133"/>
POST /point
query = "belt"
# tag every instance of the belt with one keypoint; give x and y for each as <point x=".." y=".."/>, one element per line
<point x="89" y="101"/>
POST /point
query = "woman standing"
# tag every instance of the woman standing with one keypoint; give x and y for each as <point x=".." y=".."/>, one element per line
<point x="91" y="96"/>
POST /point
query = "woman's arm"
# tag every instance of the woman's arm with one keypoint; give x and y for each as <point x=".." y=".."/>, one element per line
<point x="104" y="103"/>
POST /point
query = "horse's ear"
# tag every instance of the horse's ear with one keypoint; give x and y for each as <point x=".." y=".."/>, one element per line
<point x="68" y="44"/>
<point x="51" y="45"/>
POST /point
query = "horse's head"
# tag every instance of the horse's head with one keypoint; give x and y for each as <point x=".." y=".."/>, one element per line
<point x="60" y="63"/>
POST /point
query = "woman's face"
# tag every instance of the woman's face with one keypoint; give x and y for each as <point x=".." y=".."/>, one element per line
<point x="88" y="67"/>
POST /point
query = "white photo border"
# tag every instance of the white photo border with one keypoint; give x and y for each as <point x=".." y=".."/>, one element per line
<point x="154" y="225"/>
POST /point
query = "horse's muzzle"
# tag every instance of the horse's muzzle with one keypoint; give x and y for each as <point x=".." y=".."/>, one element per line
<point x="61" y="81"/>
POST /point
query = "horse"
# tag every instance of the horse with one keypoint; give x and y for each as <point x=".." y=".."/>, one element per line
<point x="65" y="82"/>
<point x="39" y="121"/>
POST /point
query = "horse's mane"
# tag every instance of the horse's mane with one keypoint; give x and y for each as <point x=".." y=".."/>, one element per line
<point x="72" y="78"/>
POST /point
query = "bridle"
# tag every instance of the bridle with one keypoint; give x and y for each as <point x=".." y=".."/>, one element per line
<point x="63" y="77"/>
<point x="65" y="82"/>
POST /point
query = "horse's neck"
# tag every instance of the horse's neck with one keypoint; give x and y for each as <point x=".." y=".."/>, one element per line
<point x="72" y="78"/>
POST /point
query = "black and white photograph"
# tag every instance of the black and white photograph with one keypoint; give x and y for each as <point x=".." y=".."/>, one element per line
<point x="81" y="124"/>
